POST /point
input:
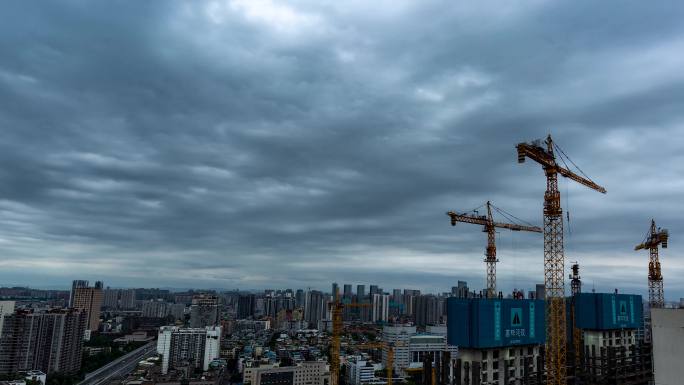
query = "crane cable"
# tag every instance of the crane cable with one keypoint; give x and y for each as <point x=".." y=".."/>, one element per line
<point x="510" y="216"/>
<point x="563" y="154"/>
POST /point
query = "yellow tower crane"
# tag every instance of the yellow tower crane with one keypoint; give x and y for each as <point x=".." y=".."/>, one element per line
<point x="489" y="227"/>
<point x="390" y="355"/>
<point x="337" y="308"/>
<point x="654" y="237"/>
<point x="554" y="259"/>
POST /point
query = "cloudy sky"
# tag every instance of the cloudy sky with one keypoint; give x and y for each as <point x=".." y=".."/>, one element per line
<point x="255" y="143"/>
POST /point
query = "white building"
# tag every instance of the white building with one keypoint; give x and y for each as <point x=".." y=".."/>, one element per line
<point x="195" y="347"/>
<point x="380" y="307"/>
<point x="437" y="330"/>
<point x="359" y="372"/>
<point x="306" y="373"/>
<point x="212" y="348"/>
<point x="668" y="345"/>
<point x="399" y="337"/>
<point x="420" y="345"/>
<point x="36" y="375"/>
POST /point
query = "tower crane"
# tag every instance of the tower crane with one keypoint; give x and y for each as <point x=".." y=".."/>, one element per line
<point x="554" y="259"/>
<point x="337" y="307"/>
<point x="654" y="237"/>
<point x="489" y="227"/>
<point x="575" y="289"/>
<point x="390" y="355"/>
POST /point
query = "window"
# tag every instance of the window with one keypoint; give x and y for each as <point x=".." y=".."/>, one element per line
<point x="495" y="354"/>
<point x="495" y="365"/>
<point x="530" y="350"/>
<point x="511" y="352"/>
<point x="495" y="376"/>
<point x="484" y="366"/>
<point x="484" y="355"/>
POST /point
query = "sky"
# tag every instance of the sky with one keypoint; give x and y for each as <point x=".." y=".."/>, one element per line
<point x="288" y="144"/>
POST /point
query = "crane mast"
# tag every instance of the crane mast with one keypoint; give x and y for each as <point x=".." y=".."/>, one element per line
<point x="575" y="281"/>
<point x="575" y="289"/>
<point x="654" y="238"/>
<point x="337" y="308"/>
<point x="489" y="226"/>
<point x="554" y="259"/>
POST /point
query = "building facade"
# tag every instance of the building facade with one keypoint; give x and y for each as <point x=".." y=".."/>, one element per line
<point x="314" y="307"/>
<point x="51" y="342"/>
<point x="90" y="300"/>
<point x="305" y="373"/>
<point x="498" y="340"/>
<point x="398" y="336"/>
<point x="668" y="345"/>
<point x="188" y="347"/>
<point x="204" y="311"/>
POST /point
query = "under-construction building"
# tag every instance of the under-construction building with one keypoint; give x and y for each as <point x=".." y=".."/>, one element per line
<point x="609" y="350"/>
<point x="500" y="341"/>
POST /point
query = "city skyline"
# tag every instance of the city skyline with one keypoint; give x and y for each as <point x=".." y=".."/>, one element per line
<point x="252" y="144"/>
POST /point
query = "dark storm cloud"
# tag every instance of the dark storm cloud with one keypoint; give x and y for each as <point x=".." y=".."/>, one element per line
<point x="261" y="144"/>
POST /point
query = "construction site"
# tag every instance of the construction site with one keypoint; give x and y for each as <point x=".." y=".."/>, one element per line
<point x="556" y="337"/>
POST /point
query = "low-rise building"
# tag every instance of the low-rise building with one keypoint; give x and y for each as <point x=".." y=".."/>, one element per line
<point x="359" y="372"/>
<point x="305" y="373"/>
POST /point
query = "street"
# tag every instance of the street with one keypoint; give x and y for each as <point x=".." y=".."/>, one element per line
<point x="120" y="367"/>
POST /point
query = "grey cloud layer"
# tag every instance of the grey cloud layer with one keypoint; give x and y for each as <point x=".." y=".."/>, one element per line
<point x="254" y="144"/>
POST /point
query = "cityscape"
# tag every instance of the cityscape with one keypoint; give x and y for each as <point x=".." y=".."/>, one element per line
<point x="303" y="192"/>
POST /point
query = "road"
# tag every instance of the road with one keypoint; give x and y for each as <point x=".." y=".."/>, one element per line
<point x="120" y="367"/>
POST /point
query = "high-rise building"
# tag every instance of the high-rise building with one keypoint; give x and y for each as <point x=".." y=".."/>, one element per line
<point x="348" y="291"/>
<point x="668" y="345"/>
<point x="176" y="310"/>
<point x="374" y="290"/>
<point x="409" y="302"/>
<point x="399" y="336"/>
<point x="204" y="311"/>
<point x="540" y="292"/>
<point x="460" y="291"/>
<point x="506" y="352"/>
<point x="6" y="308"/>
<point x="75" y="285"/>
<point x="90" y="299"/>
<point x="246" y="306"/>
<point x="119" y="299"/>
<point x="335" y="290"/>
<point x="111" y="298"/>
<point x="380" y="307"/>
<point x="300" y="298"/>
<point x="314" y="308"/>
<point x="428" y="310"/>
<point x="193" y="347"/>
<point x="51" y="341"/>
<point x="155" y="309"/>
<point x="127" y="299"/>
<point x="360" y="293"/>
